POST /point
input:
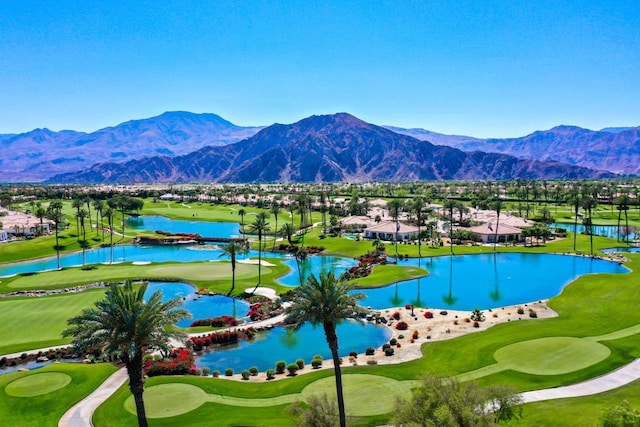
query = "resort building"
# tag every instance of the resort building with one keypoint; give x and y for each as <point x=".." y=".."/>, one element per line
<point x="357" y="222"/>
<point x="389" y="230"/>
<point x="503" y="233"/>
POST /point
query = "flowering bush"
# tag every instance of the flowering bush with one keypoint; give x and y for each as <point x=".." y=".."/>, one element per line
<point x="428" y="315"/>
<point x="396" y="315"/>
<point x="402" y="326"/>
<point x="179" y="362"/>
<point x="216" y="322"/>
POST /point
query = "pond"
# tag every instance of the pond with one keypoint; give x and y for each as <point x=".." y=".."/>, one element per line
<point x="466" y="282"/>
<point x="204" y="228"/>
<point x="201" y="307"/>
<point x="282" y="343"/>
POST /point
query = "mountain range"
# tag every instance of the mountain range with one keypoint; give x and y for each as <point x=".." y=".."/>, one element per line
<point x="613" y="149"/>
<point x="338" y="147"/>
<point x="42" y="153"/>
<point x="153" y="149"/>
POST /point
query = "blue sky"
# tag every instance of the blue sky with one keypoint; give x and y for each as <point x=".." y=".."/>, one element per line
<point x="482" y="68"/>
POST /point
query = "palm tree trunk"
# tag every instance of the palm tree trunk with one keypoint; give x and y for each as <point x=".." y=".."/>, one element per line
<point x="332" y="340"/>
<point x="233" y="274"/>
<point x="136" y="385"/>
<point x="57" y="247"/>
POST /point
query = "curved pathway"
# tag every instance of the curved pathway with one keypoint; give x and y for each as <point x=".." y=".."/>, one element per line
<point x="80" y="414"/>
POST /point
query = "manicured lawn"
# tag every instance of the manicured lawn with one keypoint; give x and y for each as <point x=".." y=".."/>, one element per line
<point x="31" y="323"/>
<point x="382" y="275"/>
<point x="39" y="398"/>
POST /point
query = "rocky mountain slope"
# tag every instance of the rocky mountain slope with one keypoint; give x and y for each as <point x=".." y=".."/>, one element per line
<point x="42" y="153"/>
<point x="336" y="147"/>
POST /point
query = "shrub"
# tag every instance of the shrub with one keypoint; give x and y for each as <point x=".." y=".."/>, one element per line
<point x="402" y="326"/>
<point x="215" y="373"/>
<point x="353" y="353"/>
<point x="385" y="346"/>
<point x="206" y="371"/>
<point x="388" y="352"/>
<point x="271" y="374"/>
<point x="280" y="365"/>
<point x="372" y="362"/>
<point x="476" y="324"/>
<point x="532" y="313"/>
<point x="444" y="313"/>
<point x="370" y="351"/>
<point x="393" y="341"/>
<point x="245" y="374"/>
<point x="428" y="315"/>
<point x="396" y="315"/>
<point x="292" y="368"/>
<point x="253" y="370"/>
<point x="520" y="310"/>
<point x="300" y="363"/>
<point x="415" y="334"/>
<point x="400" y="336"/>
<point x="316" y="363"/>
<point x="228" y="372"/>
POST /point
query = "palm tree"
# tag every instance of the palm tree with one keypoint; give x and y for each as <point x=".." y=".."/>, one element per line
<point x="232" y="250"/>
<point x="109" y="214"/>
<point x="54" y="213"/>
<point x="497" y="206"/>
<point x="275" y="210"/>
<point x="325" y="302"/>
<point x="623" y="203"/>
<point x="81" y="215"/>
<point x="450" y="206"/>
<point x="98" y="206"/>
<point x="417" y="207"/>
<point x="576" y="201"/>
<point x="88" y="200"/>
<point x="41" y="213"/>
<point x="124" y="325"/>
<point x="395" y="206"/>
<point x="589" y="203"/>
<point x="287" y="231"/>
<point x="77" y="204"/>
<point x="242" y="213"/>
<point x="260" y="226"/>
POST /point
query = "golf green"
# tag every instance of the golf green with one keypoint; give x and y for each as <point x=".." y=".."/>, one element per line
<point x="37" y="384"/>
<point x="169" y="400"/>
<point x="551" y="356"/>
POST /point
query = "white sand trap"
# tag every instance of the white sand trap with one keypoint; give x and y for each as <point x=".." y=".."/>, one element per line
<point x="255" y="262"/>
<point x="141" y="263"/>
<point x="265" y="292"/>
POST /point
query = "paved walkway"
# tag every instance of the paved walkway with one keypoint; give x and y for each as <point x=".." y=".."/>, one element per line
<point x="81" y="413"/>
<point x="615" y="379"/>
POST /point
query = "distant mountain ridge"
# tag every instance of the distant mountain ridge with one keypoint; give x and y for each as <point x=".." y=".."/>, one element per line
<point x="327" y="148"/>
<point x="42" y="153"/>
<point x="613" y="149"/>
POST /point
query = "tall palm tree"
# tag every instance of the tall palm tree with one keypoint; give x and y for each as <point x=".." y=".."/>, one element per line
<point x="623" y="203"/>
<point x="259" y="226"/>
<point x="589" y="203"/>
<point x="576" y="201"/>
<point x="41" y="213"/>
<point x="98" y="206"/>
<point x="54" y="213"/>
<point x="242" y="213"/>
<point x="81" y="215"/>
<point x="417" y="207"/>
<point x="395" y="206"/>
<point x="232" y="250"/>
<point x="77" y="204"/>
<point x="287" y="231"/>
<point x="124" y="325"/>
<point x="275" y="210"/>
<point x="450" y="206"/>
<point x="88" y="201"/>
<point x="109" y="213"/>
<point x="325" y="302"/>
<point x="497" y="206"/>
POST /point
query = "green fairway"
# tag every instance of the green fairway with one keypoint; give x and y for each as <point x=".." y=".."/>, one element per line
<point x="551" y="356"/>
<point x="37" y="384"/>
<point x="31" y="323"/>
<point x="39" y="398"/>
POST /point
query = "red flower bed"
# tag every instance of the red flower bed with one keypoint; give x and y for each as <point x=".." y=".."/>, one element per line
<point x="216" y="322"/>
<point x="179" y="362"/>
<point x="428" y="315"/>
<point x="396" y="315"/>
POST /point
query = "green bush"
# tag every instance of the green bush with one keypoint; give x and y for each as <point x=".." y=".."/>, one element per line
<point x="316" y="363"/>
<point x="228" y="372"/>
<point x="370" y="351"/>
<point x="215" y="373"/>
<point x="206" y="371"/>
<point x="271" y="374"/>
<point x="388" y="352"/>
<point x="245" y="374"/>
<point x="353" y="353"/>
<point x="280" y="365"/>
<point x="300" y="363"/>
<point x="253" y="370"/>
<point x="393" y="341"/>
<point x="292" y="368"/>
